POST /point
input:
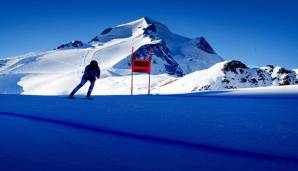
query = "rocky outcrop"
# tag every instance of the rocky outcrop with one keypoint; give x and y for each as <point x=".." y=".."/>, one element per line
<point x="282" y="76"/>
<point x="2" y="63"/>
<point x="205" y="46"/>
<point x="106" y="31"/>
<point x="237" y="75"/>
<point x="161" y="51"/>
<point x="234" y="66"/>
<point x="73" y="45"/>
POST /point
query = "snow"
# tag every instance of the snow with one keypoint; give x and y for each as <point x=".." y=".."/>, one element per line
<point x="191" y="81"/>
<point x="296" y="71"/>
<point x="192" y="59"/>
<point x="217" y="78"/>
<point x="223" y="130"/>
<point x="265" y="91"/>
<point x="56" y="72"/>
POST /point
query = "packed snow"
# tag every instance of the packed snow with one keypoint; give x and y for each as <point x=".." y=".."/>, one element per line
<point x="222" y="130"/>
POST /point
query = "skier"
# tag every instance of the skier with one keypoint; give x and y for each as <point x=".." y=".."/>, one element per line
<point x="91" y="73"/>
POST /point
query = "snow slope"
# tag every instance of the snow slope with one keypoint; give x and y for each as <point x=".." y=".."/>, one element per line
<point x="201" y="131"/>
<point x="230" y="75"/>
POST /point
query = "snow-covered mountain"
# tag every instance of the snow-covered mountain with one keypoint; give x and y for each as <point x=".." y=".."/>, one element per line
<point x="173" y="54"/>
<point x="175" y="58"/>
<point x="57" y="71"/>
<point x="231" y="75"/>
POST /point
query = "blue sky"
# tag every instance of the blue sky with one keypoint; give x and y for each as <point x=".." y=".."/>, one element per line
<point x="255" y="32"/>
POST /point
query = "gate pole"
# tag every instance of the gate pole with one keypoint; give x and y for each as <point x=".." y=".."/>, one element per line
<point x="131" y="83"/>
<point x="150" y="57"/>
<point x="149" y="85"/>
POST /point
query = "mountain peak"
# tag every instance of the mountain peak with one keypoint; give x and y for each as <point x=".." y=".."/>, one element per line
<point x="148" y="20"/>
<point x="144" y="25"/>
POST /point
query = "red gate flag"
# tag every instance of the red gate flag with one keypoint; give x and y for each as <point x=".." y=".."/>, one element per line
<point x="141" y="65"/>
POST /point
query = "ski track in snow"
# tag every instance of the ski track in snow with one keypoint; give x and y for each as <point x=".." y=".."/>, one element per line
<point x="154" y="139"/>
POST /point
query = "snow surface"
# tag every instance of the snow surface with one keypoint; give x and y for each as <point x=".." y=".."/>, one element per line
<point x="264" y="91"/>
<point x="296" y="70"/>
<point x="224" y="130"/>
<point x="191" y="82"/>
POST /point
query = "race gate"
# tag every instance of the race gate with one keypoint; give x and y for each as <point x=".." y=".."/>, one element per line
<point x="141" y="65"/>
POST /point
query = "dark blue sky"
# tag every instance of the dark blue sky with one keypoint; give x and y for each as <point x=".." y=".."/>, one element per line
<point x="255" y="32"/>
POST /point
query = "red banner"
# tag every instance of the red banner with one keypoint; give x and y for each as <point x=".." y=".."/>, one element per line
<point x="141" y="65"/>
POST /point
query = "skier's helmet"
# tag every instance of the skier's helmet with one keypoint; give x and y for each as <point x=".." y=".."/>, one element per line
<point x="94" y="63"/>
